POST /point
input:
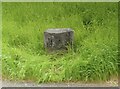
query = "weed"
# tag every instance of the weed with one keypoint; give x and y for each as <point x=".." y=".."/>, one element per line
<point x="95" y="47"/>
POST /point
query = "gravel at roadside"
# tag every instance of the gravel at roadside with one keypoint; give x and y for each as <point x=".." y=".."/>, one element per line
<point x="6" y="83"/>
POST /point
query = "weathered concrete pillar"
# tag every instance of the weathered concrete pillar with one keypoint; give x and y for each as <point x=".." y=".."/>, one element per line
<point x="58" y="39"/>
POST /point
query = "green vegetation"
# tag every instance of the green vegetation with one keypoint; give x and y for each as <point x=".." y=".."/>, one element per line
<point x="94" y="55"/>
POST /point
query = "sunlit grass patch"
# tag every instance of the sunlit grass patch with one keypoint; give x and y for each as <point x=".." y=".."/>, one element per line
<point x="95" y="48"/>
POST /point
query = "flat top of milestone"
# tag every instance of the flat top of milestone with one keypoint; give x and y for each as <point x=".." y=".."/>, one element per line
<point x="58" y="30"/>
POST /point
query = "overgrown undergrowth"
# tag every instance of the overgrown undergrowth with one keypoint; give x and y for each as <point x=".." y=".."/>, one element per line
<point x="94" y="55"/>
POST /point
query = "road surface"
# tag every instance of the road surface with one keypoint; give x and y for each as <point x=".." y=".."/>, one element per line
<point x="6" y="83"/>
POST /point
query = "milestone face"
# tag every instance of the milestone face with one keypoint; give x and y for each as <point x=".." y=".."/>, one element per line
<point x="57" y="39"/>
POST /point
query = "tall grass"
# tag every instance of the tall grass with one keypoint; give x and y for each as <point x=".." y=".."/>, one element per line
<point x="94" y="55"/>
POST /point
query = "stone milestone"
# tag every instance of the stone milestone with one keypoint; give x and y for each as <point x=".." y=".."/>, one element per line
<point x="58" y="39"/>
